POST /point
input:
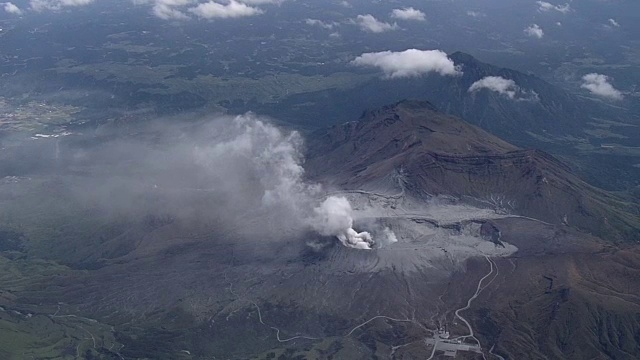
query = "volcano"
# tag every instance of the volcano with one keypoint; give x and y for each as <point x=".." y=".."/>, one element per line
<point x="497" y="252"/>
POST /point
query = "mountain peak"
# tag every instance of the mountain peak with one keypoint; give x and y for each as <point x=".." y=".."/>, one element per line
<point x="415" y="104"/>
<point x="406" y="127"/>
<point x="461" y="57"/>
<point x="406" y="104"/>
<point x="442" y="154"/>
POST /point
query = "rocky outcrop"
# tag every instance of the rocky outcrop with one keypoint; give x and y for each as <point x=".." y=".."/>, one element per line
<point x="490" y="232"/>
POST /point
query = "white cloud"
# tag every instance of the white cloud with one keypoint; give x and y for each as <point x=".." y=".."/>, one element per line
<point x="598" y="84"/>
<point x="167" y="9"/>
<point x="166" y="12"/>
<point x="408" y="14"/>
<point x="11" y="8"/>
<point x="323" y="24"/>
<point x="75" y="2"/>
<point x="371" y="24"/>
<point x="345" y="4"/>
<point x="504" y="87"/>
<point x="180" y="9"/>
<point x="614" y="23"/>
<point x="408" y="63"/>
<point x="534" y="31"/>
<point x="174" y="2"/>
<point x="232" y="9"/>
<point x="544" y="6"/>
<point x="40" y="5"/>
<point x="475" y="14"/>
<point x="261" y="2"/>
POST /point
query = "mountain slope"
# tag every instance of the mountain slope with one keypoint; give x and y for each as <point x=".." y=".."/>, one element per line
<point x="170" y="282"/>
<point x="442" y="155"/>
<point x="565" y="294"/>
<point x="598" y="138"/>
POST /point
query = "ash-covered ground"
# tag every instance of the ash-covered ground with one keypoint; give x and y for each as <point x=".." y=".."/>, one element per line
<point x="410" y="235"/>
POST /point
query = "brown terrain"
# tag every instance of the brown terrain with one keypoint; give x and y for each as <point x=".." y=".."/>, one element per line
<point x="441" y="154"/>
<point x="566" y="294"/>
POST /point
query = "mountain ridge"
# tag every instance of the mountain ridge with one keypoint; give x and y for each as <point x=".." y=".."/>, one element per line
<point x="443" y="155"/>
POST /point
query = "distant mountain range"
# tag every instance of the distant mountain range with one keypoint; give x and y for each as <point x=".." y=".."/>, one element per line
<point x="598" y="138"/>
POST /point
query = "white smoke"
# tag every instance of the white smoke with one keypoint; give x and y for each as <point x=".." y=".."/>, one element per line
<point x="251" y="148"/>
<point x="334" y="218"/>
<point x="389" y="236"/>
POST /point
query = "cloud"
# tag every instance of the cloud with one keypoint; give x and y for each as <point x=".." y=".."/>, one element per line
<point x="12" y="8"/>
<point x="167" y="12"/>
<point x="544" y="6"/>
<point x="614" y="23"/>
<point x="534" y="31"/>
<point x="371" y="24"/>
<point x="408" y="63"/>
<point x="322" y="24"/>
<point x="261" y="2"/>
<point x="408" y="14"/>
<point x="180" y="10"/>
<point x="345" y="4"/>
<point x="599" y="85"/>
<point x="506" y="87"/>
<point x="55" y="5"/>
<point x="232" y="9"/>
<point x="475" y="14"/>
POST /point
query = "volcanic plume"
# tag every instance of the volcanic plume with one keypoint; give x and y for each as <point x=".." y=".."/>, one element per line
<point x="334" y="218"/>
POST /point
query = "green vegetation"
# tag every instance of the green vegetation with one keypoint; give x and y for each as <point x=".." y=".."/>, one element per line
<point x="43" y="331"/>
<point x="39" y="336"/>
<point x="163" y="79"/>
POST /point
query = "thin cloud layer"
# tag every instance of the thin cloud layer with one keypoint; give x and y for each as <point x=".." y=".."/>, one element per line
<point x="408" y="14"/>
<point x="55" y="5"/>
<point x="534" y="31"/>
<point x="163" y="9"/>
<point x="506" y="87"/>
<point x="232" y="9"/>
<point x="11" y="8"/>
<point x="544" y="6"/>
<point x="166" y="9"/>
<point x="323" y="24"/>
<point x="599" y="85"/>
<point x="369" y="23"/>
<point x="408" y="63"/>
<point x="475" y="14"/>
<point x="614" y="23"/>
<point x="212" y="9"/>
<point x="262" y="2"/>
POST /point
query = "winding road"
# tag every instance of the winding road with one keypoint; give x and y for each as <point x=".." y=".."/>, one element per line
<point x="493" y="270"/>
<point x="492" y="267"/>
<point x="479" y="288"/>
<point x="277" y="330"/>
